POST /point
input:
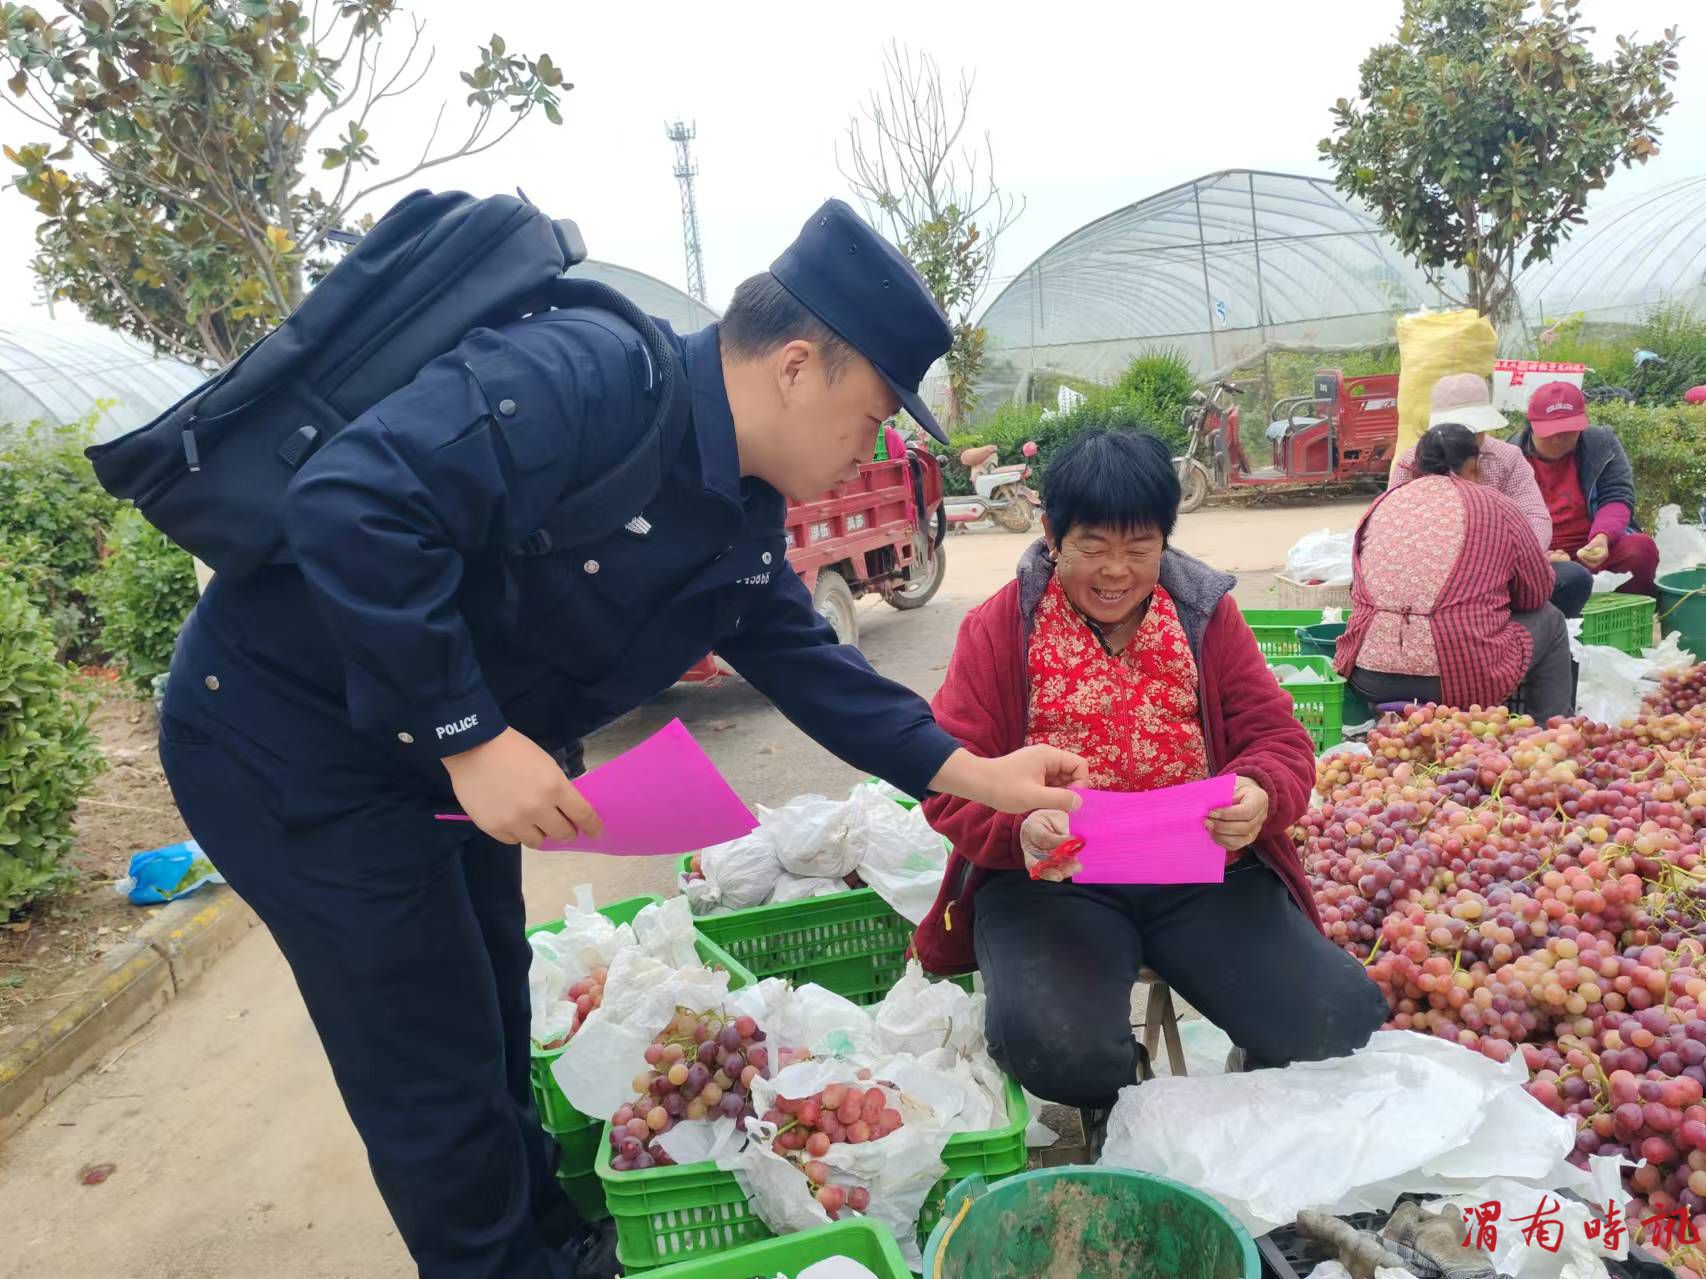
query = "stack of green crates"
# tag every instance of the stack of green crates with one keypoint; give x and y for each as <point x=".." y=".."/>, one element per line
<point x="578" y="1136"/>
<point x="665" y="1214"/>
<point x="1318" y="706"/>
<point x="1623" y="622"/>
<point x="871" y="1245"/>
<point x="1276" y="629"/>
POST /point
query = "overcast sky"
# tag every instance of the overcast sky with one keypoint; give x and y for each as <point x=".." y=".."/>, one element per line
<point x="1089" y="107"/>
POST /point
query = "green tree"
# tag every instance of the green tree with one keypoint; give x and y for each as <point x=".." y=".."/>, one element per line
<point x="937" y="197"/>
<point x="173" y="190"/>
<point x="1481" y="130"/>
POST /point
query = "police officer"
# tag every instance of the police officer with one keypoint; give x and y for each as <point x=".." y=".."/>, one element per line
<point x="319" y="714"/>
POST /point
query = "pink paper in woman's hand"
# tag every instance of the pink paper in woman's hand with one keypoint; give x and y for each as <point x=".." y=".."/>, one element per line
<point x="1151" y="837"/>
<point x="663" y="796"/>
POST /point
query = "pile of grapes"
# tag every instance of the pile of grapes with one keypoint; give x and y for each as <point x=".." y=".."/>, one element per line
<point x="700" y="1067"/>
<point x="587" y="994"/>
<point x="1519" y="888"/>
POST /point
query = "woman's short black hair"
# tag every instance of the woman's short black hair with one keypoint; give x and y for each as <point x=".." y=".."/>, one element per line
<point x="1120" y="480"/>
<point x="1445" y="449"/>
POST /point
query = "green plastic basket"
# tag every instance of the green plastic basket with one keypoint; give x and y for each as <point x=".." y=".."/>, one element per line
<point x="585" y="1190"/>
<point x="871" y="1245"/>
<point x="1623" y="622"/>
<point x="578" y="1135"/>
<point x="1318" y="707"/>
<point x="853" y="943"/>
<point x="665" y="1214"/>
<point x="1276" y="629"/>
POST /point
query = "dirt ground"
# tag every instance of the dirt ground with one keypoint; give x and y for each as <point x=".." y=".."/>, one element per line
<point x="128" y="809"/>
<point x="233" y="1156"/>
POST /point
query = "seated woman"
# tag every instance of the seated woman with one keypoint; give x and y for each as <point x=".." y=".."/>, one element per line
<point x="1449" y="591"/>
<point x="1133" y="655"/>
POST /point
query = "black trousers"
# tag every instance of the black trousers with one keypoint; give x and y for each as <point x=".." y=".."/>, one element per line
<point x="1059" y="962"/>
<point x="1548" y="689"/>
<point x="405" y="936"/>
<point x="1574" y="584"/>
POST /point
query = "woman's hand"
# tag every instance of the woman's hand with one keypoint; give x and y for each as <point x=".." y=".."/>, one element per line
<point x="1558" y="557"/>
<point x="1594" y="553"/>
<point x="1041" y="833"/>
<point x="1235" y="827"/>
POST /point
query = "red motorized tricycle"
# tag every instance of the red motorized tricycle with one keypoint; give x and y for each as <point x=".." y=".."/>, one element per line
<point x="1346" y="429"/>
<point x="880" y="534"/>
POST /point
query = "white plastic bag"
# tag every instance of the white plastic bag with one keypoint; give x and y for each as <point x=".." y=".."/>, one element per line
<point x="1321" y="556"/>
<point x="738" y="874"/>
<point x="664" y="930"/>
<point x="898" y="854"/>
<point x="1409" y="1112"/>
<point x="587" y="941"/>
<point x="919" y="1016"/>
<point x="1606" y="583"/>
<point x="810" y="836"/>
<point x="1680" y="545"/>
<point x="793" y="888"/>
<point x="837" y="1267"/>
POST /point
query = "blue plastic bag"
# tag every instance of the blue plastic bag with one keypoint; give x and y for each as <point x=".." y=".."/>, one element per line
<point x="166" y="874"/>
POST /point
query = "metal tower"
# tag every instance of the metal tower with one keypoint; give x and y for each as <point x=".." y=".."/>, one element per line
<point x="685" y="171"/>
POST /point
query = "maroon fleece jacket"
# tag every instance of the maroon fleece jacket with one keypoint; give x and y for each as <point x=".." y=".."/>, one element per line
<point x="1248" y="729"/>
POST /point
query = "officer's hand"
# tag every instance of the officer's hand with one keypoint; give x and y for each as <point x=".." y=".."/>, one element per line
<point x="518" y="794"/>
<point x="1030" y="778"/>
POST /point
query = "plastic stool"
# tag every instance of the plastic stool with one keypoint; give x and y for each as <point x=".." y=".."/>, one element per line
<point x="1160" y="1020"/>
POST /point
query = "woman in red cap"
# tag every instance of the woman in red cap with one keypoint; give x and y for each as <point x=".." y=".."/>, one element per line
<point x="1589" y="487"/>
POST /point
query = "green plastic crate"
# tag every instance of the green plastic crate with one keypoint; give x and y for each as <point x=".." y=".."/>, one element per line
<point x="1276" y="629"/>
<point x="577" y="1134"/>
<point x="1318" y="707"/>
<point x="1623" y="622"/>
<point x="871" y="1245"/>
<point x="664" y="1214"/>
<point x="585" y="1190"/>
<point x="853" y="943"/>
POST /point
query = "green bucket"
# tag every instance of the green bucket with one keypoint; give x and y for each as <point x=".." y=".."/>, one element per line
<point x="1682" y="608"/>
<point x="1087" y="1223"/>
<point x="1322" y="640"/>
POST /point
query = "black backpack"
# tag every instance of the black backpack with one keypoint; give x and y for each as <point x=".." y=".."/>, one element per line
<point x="210" y="473"/>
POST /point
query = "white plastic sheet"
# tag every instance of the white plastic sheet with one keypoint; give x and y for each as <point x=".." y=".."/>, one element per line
<point x="837" y="1267"/>
<point x="1613" y="683"/>
<point x="1606" y="583"/>
<point x="1408" y="1112"/>
<point x="1577" y="1256"/>
<point x="1321" y="556"/>
<point x="793" y="888"/>
<point x="1680" y="545"/>
<point x="588" y="940"/>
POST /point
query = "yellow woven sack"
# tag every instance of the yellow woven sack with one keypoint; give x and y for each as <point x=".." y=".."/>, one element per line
<point x="1430" y="346"/>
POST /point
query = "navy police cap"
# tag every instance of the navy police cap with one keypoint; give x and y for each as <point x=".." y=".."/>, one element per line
<point x="858" y="284"/>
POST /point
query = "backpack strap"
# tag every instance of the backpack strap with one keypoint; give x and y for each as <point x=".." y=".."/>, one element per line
<point x="605" y="503"/>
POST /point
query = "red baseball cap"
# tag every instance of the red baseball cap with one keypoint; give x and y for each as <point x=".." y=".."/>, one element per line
<point x="1557" y="408"/>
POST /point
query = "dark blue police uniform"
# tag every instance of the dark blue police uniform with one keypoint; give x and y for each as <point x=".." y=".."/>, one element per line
<point x="309" y="706"/>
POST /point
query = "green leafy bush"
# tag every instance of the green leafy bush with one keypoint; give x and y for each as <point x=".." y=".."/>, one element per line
<point x="1667" y="449"/>
<point x="143" y="593"/>
<point x="48" y="756"/>
<point x="1674" y="332"/>
<point x="1151" y="394"/>
<point x="53" y="516"/>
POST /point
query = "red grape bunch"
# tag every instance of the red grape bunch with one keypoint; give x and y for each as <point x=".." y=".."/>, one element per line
<point x="807" y="1127"/>
<point x="702" y="1066"/>
<point x="1679" y="692"/>
<point x="587" y="994"/>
